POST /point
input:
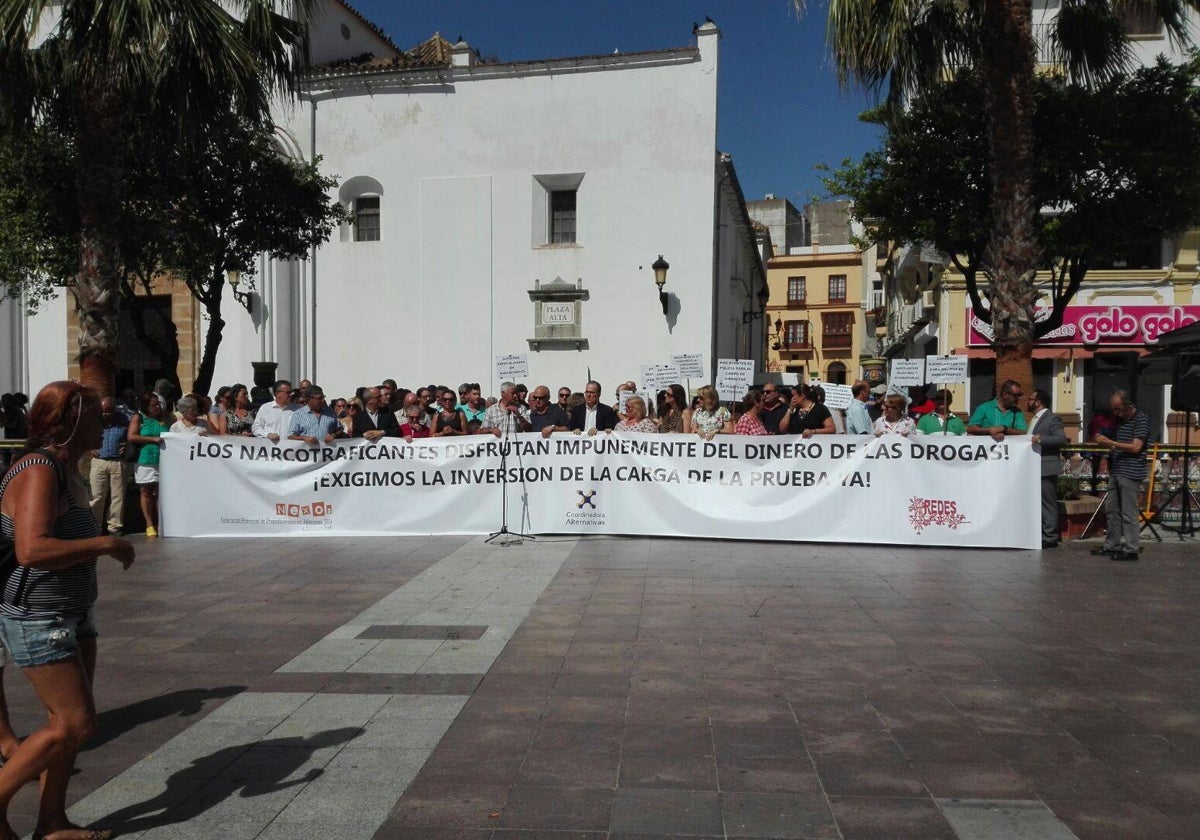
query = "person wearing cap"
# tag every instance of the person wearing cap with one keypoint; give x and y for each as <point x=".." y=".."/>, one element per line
<point x="941" y="421"/>
<point x="875" y="402"/>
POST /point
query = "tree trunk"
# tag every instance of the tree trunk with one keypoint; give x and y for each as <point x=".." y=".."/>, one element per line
<point x="1010" y="261"/>
<point x="212" y="338"/>
<point x="1017" y="364"/>
<point x="99" y="179"/>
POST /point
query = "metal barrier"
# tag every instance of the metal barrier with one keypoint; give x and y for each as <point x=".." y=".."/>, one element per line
<point x="1169" y="489"/>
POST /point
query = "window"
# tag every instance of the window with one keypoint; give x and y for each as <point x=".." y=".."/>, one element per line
<point x="837" y="329"/>
<point x="555" y="205"/>
<point x="796" y="291"/>
<point x="562" y="216"/>
<point x="796" y="334"/>
<point x="836" y="373"/>
<point x="1138" y="17"/>
<point x="837" y="288"/>
<point x="366" y="218"/>
<point x="362" y="196"/>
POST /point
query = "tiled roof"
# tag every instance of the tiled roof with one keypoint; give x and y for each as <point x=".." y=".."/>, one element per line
<point x="433" y="52"/>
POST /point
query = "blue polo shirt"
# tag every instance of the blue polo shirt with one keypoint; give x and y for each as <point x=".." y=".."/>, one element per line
<point x="308" y="424"/>
<point x="111" y="437"/>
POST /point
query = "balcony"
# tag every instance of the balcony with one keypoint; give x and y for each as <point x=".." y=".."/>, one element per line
<point x="837" y="341"/>
<point x="797" y="303"/>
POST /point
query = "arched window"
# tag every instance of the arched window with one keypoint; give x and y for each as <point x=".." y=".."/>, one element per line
<point x="362" y="196"/>
<point x="836" y="373"/>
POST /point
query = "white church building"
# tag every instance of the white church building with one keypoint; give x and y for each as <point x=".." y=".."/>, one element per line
<point x="499" y="208"/>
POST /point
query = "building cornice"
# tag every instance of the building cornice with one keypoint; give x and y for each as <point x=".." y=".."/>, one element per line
<point x="334" y="78"/>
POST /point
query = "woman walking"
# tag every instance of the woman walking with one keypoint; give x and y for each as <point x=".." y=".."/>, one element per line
<point x="47" y="598"/>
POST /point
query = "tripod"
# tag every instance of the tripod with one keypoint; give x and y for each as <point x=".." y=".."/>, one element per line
<point x="1187" y="499"/>
<point x="1144" y="519"/>
<point x="504" y="537"/>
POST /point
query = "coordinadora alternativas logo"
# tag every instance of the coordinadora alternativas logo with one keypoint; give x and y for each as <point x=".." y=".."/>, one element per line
<point x="586" y="513"/>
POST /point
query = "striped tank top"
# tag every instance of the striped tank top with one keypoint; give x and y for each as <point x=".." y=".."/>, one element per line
<point x="45" y="593"/>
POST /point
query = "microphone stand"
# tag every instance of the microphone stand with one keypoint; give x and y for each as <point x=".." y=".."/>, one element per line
<point x="504" y="537"/>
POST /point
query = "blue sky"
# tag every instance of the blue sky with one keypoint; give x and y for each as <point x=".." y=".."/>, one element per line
<point x="781" y="111"/>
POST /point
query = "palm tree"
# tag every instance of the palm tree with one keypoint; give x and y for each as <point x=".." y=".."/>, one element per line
<point x="165" y="66"/>
<point x="910" y="45"/>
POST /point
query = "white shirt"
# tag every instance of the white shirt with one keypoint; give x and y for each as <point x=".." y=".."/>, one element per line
<point x="271" y="419"/>
<point x="589" y="417"/>
<point x="1033" y="423"/>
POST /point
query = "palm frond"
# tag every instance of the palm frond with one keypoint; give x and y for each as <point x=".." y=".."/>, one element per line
<point x="1088" y="39"/>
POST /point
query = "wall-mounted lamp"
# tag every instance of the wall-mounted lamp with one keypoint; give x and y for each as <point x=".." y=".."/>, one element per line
<point x="777" y="344"/>
<point x="660" y="267"/>
<point x="234" y="277"/>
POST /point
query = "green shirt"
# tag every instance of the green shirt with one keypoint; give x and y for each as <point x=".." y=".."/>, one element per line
<point x="931" y="424"/>
<point x="990" y="414"/>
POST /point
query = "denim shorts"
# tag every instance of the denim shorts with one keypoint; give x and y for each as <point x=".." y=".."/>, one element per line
<point x="43" y="641"/>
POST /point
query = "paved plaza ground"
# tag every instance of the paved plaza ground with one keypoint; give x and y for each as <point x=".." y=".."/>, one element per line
<point x="640" y="688"/>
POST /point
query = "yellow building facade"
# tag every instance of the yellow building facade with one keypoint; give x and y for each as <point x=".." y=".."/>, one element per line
<point x="815" y="313"/>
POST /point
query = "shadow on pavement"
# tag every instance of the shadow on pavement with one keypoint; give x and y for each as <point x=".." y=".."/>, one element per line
<point x="113" y="723"/>
<point x="248" y="770"/>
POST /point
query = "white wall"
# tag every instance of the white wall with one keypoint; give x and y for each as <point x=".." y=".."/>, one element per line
<point x="335" y="33"/>
<point x="456" y="152"/>
<point x="48" y="343"/>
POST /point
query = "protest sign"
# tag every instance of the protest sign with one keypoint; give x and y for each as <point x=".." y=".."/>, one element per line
<point x="657" y="377"/>
<point x="945" y="370"/>
<point x="907" y="372"/>
<point x="691" y="365"/>
<point x="926" y="490"/>
<point x="514" y="367"/>
<point x="837" y="396"/>
<point x="734" y="377"/>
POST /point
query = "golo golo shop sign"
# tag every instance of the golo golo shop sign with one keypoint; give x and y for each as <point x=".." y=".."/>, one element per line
<point x="1101" y="324"/>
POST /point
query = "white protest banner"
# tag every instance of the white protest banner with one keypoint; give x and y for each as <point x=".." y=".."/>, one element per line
<point x="691" y="365"/>
<point x="657" y="377"/>
<point x="734" y="377"/>
<point x="512" y="368"/>
<point x="837" y="396"/>
<point x="945" y="370"/>
<point x="907" y="372"/>
<point x="926" y="490"/>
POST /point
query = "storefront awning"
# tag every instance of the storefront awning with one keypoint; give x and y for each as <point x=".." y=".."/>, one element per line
<point x="1075" y="353"/>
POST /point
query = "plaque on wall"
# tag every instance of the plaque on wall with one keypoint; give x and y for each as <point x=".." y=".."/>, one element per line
<point x="558" y="315"/>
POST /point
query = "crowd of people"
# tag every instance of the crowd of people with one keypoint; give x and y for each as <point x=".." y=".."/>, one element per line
<point x="51" y="531"/>
<point x="132" y="426"/>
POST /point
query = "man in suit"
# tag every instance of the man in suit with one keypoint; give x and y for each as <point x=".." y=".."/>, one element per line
<point x="593" y="416"/>
<point x="1048" y="438"/>
<point x="375" y="421"/>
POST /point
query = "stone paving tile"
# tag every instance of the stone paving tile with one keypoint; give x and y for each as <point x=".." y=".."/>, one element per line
<point x="784" y="690"/>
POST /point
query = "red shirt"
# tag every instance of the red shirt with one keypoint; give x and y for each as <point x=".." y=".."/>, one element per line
<point x="415" y="431"/>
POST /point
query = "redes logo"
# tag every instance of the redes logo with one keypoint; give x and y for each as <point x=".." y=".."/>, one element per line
<point x="923" y="513"/>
